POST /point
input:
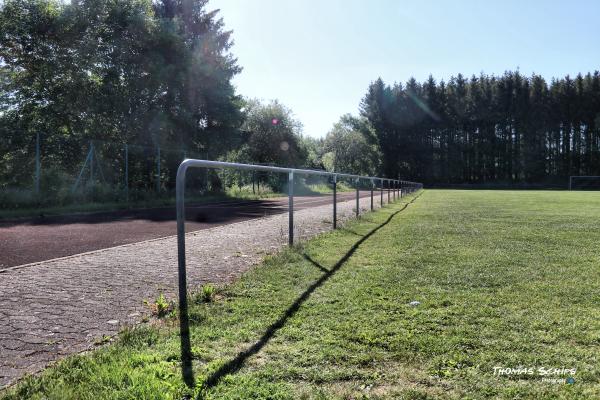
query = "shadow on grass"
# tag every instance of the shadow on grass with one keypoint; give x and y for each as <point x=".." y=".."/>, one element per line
<point x="235" y="364"/>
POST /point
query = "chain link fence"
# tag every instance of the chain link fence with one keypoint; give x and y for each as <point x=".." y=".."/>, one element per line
<point x="58" y="171"/>
<point x="38" y="172"/>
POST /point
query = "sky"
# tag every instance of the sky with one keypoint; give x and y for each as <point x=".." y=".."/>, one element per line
<point x="318" y="56"/>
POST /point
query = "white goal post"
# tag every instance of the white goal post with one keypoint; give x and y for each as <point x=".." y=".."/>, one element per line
<point x="584" y="182"/>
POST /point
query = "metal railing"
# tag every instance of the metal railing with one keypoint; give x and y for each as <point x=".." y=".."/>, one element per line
<point x="395" y="187"/>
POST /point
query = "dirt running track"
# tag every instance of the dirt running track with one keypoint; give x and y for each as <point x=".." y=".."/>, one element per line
<point x="40" y="239"/>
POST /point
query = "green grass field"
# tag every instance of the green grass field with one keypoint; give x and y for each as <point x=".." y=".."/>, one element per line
<point x="504" y="279"/>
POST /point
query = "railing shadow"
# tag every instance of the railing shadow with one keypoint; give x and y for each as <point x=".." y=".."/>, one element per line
<point x="235" y="364"/>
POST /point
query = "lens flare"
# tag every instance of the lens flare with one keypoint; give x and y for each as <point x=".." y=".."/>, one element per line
<point x="422" y="105"/>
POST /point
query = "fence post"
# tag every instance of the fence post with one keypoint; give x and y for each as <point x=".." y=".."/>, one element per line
<point x="393" y="184"/>
<point x="570" y="182"/>
<point x="388" y="190"/>
<point x="158" y="168"/>
<point x="381" y="193"/>
<point x="87" y="159"/>
<point x="401" y="190"/>
<point x="37" y="164"/>
<point x="92" y="163"/>
<point x="291" y="208"/>
<point x="357" y="198"/>
<point x="126" y="173"/>
<point x="372" y="185"/>
<point x="334" y="201"/>
<point x="184" y="324"/>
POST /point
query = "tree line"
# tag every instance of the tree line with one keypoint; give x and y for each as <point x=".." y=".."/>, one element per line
<point x="146" y="73"/>
<point x="157" y="74"/>
<point x="487" y="129"/>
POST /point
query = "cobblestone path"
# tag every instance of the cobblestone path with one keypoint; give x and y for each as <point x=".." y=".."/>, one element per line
<point x="63" y="306"/>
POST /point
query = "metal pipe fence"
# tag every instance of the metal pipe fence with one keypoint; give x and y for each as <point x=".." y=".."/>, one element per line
<point x="399" y="187"/>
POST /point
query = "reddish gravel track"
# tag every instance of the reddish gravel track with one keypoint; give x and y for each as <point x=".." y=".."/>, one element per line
<point x="40" y="239"/>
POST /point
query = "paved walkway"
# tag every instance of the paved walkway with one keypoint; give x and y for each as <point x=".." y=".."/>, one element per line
<point x="63" y="306"/>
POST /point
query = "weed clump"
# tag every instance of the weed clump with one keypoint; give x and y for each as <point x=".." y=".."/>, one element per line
<point x="206" y="294"/>
<point x="161" y="306"/>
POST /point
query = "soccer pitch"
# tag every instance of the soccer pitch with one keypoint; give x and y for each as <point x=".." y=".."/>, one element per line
<point x="459" y="294"/>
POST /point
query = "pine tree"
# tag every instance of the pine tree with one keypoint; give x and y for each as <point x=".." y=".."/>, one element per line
<point x="507" y="129"/>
